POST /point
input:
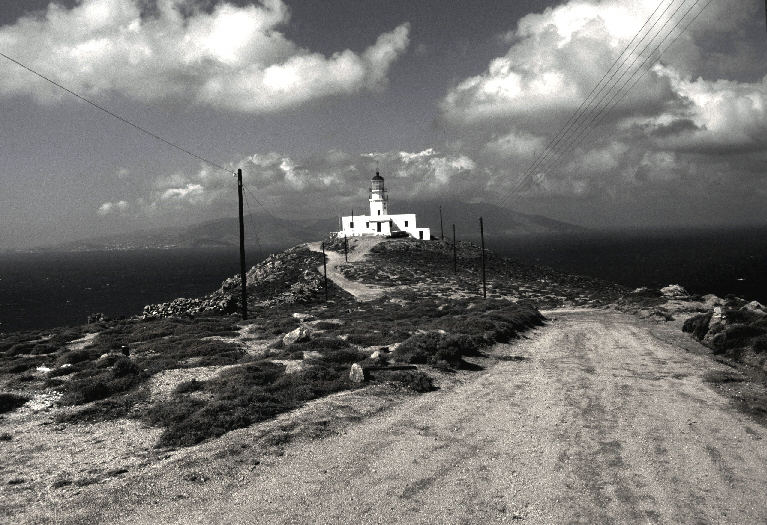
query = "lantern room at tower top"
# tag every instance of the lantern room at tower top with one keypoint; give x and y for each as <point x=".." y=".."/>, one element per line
<point x="379" y="222"/>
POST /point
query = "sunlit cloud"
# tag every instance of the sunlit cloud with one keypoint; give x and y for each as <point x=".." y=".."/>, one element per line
<point x="232" y="57"/>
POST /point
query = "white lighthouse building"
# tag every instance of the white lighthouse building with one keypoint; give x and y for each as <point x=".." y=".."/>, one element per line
<point x="379" y="222"/>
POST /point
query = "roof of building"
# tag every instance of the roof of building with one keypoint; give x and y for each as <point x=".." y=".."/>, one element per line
<point x="377" y="177"/>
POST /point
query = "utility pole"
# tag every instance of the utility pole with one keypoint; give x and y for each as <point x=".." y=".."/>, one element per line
<point x="482" y="236"/>
<point x="441" y="229"/>
<point x="243" y="276"/>
<point x="346" y="248"/>
<point x="455" y="253"/>
<point x="325" y="271"/>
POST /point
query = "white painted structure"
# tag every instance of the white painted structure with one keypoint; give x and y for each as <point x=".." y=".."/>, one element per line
<point x="379" y="222"/>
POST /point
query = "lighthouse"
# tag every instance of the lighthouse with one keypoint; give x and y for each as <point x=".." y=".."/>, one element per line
<point x="380" y="222"/>
<point x="379" y="200"/>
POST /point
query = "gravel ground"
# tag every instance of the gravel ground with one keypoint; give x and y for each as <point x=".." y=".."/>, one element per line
<point x="596" y="418"/>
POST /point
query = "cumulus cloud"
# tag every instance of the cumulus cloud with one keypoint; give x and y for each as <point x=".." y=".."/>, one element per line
<point x="685" y="115"/>
<point x="108" y="208"/>
<point x="319" y="185"/>
<point x="232" y="57"/>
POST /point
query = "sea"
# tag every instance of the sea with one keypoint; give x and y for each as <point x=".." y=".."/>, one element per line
<point x="44" y="290"/>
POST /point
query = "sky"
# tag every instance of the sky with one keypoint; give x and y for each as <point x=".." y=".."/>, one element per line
<point x="603" y="113"/>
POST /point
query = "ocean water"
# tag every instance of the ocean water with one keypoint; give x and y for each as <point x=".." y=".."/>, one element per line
<point x="42" y="290"/>
<point x="722" y="261"/>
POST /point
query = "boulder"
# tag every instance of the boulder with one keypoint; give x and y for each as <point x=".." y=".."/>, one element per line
<point x="673" y="290"/>
<point x="357" y="374"/>
<point x="756" y="307"/>
<point x="299" y="335"/>
<point x="711" y="300"/>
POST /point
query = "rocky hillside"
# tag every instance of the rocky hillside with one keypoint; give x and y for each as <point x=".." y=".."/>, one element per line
<point x="190" y="372"/>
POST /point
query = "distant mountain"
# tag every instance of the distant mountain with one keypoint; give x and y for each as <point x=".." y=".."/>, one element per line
<point x="271" y="232"/>
<point x="498" y="222"/>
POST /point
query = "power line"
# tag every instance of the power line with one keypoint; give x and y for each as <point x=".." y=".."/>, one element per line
<point x="622" y="91"/>
<point x="118" y="117"/>
<point x="597" y="116"/>
<point x="585" y="130"/>
<point x="581" y="111"/>
<point x="247" y="190"/>
<point x="253" y="222"/>
<point x="545" y="159"/>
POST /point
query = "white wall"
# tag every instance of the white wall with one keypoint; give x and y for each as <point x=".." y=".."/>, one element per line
<point x="367" y="225"/>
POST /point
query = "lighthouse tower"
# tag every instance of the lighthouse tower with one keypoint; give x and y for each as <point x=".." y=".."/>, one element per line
<point x="379" y="198"/>
<point x="379" y="222"/>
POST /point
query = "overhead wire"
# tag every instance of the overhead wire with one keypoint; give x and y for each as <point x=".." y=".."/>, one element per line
<point x="617" y="95"/>
<point x="253" y="222"/>
<point x="544" y="159"/>
<point x="119" y="117"/>
<point x="130" y="123"/>
<point x="596" y="90"/>
<point x="599" y="117"/>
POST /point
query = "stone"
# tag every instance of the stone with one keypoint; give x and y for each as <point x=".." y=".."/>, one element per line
<point x="357" y="374"/>
<point x="299" y="335"/>
<point x="673" y="290"/>
<point x="711" y="300"/>
<point x="756" y="307"/>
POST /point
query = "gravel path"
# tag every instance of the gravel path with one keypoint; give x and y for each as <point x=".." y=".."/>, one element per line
<point x="362" y="246"/>
<point x="597" y="418"/>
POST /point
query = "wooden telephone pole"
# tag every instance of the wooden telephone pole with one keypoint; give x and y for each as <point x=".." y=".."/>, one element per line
<point x="243" y="276"/>
<point x="325" y="271"/>
<point x="441" y="229"/>
<point x="455" y="253"/>
<point x="482" y="236"/>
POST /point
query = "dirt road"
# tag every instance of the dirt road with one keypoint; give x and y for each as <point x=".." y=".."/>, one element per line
<point x="595" y="418"/>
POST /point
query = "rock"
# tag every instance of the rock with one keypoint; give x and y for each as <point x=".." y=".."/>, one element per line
<point x="299" y="335"/>
<point x="302" y="316"/>
<point x="673" y="290"/>
<point x="357" y="374"/>
<point x="382" y="354"/>
<point x="756" y="307"/>
<point x="711" y="300"/>
<point x="97" y="317"/>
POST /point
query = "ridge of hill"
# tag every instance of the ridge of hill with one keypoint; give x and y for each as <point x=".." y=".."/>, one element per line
<point x="266" y="230"/>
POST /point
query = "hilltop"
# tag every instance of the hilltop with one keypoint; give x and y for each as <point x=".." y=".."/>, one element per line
<point x="212" y="400"/>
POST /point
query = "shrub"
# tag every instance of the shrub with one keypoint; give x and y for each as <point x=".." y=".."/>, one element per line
<point x="114" y="375"/>
<point x="242" y="396"/>
<point x="697" y="325"/>
<point x="77" y="356"/>
<point x="433" y="347"/>
<point x="742" y="316"/>
<point x="739" y="335"/>
<point x="10" y="402"/>
<point x="415" y="380"/>
<point x="760" y="344"/>
<point x="192" y="385"/>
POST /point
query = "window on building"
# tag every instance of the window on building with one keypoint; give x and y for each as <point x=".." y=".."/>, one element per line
<point x="367" y="225"/>
<point x="420" y="234"/>
<point x="379" y="226"/>
<point x="351" y="224"/>
<point x="379" y="212"/>
<point x="405" y="224"/>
